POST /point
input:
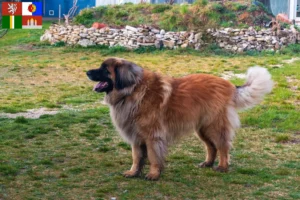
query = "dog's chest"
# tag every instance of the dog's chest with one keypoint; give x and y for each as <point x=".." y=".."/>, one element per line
<point x="123" y="120"/>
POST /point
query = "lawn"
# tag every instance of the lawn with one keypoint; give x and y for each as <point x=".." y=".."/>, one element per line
<point x="77" y="154"/>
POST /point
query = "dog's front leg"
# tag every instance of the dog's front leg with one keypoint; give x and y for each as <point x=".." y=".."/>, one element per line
<point x="138" y="157"/>
<point x="156" y="151"/>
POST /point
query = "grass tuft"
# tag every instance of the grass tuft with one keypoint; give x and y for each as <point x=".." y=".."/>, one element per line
<point x="282" y="138"/>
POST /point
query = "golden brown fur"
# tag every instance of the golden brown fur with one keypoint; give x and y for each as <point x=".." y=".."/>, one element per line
<point x="155" y="110"/>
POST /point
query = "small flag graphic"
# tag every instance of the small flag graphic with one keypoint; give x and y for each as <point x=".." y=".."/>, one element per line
<point x="32" y="22"/>
<point x="11" y="8"/>
<point x="27" y="15"/>
<point x="32" y="9"/>
<point x="12" y="22"/>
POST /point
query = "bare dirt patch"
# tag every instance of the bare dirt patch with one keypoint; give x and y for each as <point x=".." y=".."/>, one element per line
<point x="291" y="60"/>
<point x="30" y="114"/>
<point x="293" y="83"/>
<point x="231" y="75"/>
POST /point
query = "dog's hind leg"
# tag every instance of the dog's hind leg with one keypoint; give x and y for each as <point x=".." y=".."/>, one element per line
<point x="156" y="151"/>
<point x="139" y="153"/>
<point x="225" y="126"/>
<point x="218" y="136"/>
<point x="211" y="151"/>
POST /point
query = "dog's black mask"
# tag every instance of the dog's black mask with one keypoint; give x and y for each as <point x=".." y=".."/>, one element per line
<point x="102" y="76"/>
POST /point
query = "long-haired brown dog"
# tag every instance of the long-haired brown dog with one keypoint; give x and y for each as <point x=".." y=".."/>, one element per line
<point x="150" y="111"/>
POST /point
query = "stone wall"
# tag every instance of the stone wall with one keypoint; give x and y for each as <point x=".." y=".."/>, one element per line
<point x="237" y="40"/>
<point x="240" y="40"/>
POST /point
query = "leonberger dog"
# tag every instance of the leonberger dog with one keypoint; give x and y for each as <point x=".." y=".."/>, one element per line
<point x="150" y="111"/>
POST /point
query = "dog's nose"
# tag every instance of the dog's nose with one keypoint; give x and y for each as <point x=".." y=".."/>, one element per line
<point x="88" y="73"/>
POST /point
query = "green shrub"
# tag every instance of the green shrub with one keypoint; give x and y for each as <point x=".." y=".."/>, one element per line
<point x="122" y="13"/>
<point x="238" y="7"/>
<point x="201" y="2"/>
<point x="84" y="16"/>
<point x="141" y="50"/>
<point x="100" y="11"/>
<point x="213" y="15"/>
<point x="159" y="8"/>
<point x="253" y="8"/>
<point x="227" y="24"/>
<point x="291" y="49"/>
<point x="218" y="7"/>
<point x="184" y="9"/>
<point x="21" y="120"/>
<point x="59" y="44"/>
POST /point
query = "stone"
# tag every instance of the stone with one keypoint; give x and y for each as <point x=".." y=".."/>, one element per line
<point x="191" y="37"/>
<point x="251" y="38"/>
<point x="158" y="44"/>
<point x="111" y="44"/>
<point x="185" y="45"/>
<point x="197" y="46"/>
<point x="235" y="38"/>
<point x="156" y="31"/>
<point x="140" y="39"/>
<point x="146" y="44"/>
<point x="169" y="43"/>
<point x="228" y="47"/>
<point x="162" y="31"/>
<point x="234" y="48"/>
<point x="267" y="38"/>
<point x="283" y="40"/>
<point x="96" y="34"/>
<point x="131" y="28"/>
<point x="240" y="50"/>
<point x="260" y="39"/>
<point x="46" y="37"/>
<point x="222" y="45"/>
<point x="99" y="39"/>
<point x="228" y="29"/>
<point x="83" y="35"/>
<point x="224" y="32"/>
<point x="198" y="37"/>
<point x="251" y="28"/>
<point x="85" y="43"/>
<point x="245" y="45"/>
<point x="159" y="36"/>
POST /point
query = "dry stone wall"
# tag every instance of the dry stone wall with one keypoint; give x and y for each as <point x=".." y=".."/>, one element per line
<point x="237" y="40"/>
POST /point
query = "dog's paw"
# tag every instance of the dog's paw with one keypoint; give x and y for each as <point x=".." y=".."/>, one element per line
<point x="130" y="174"/>
<point x="152" y="176"/>
<point x="221" y="169"/>
<point x="205" y="164"/>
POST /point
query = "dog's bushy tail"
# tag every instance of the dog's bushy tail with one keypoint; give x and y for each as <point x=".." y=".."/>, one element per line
<point x="258" y="84"/>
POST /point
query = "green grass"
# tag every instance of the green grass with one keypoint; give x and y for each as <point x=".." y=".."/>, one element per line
<point x="77" y="153"/>
<point x="199" y="15"/>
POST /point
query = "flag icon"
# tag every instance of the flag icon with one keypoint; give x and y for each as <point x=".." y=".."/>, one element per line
<point x="12" y="22"/>
<point x="11" y="8"/>
<point x="27" y="15"/>
<point x="32" y="22"/>
<point x="32" y="9"/>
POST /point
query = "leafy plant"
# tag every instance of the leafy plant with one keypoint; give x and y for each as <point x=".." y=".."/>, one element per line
<point x="159" y="8"/>
<point x="218" y="7"/>
<point x="201" y="2"/>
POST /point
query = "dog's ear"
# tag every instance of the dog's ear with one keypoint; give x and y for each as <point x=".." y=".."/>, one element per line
<point x="127" y="74"/>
